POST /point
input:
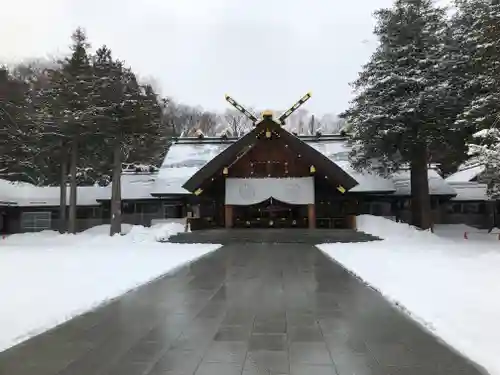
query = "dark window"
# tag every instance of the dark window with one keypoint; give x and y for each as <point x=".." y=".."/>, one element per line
<point x="454" y="208"/>
<point x="173" y="211"/>
<point x="85" y="212"/>
<point x="128" y="207"/>
<point x="151" y="208"/>
<point x="377" y="209"/>
<point x="35" y="221"/>
<point x="365" y="208"/>
<point x="208" y="210"/>
<point x="473" y="208"/>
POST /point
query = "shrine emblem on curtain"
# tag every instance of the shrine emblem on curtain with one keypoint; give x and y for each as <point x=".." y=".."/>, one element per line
<point x="244" y="192"/>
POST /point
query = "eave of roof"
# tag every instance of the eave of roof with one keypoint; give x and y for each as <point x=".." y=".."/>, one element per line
<point x="470" y="192"/>
<point x="7" y="203"/>
<point x="321" y="162"/>
<point x="329" y="167"/>
<point x="219" y="161"/>
<point x="466" y="174"/>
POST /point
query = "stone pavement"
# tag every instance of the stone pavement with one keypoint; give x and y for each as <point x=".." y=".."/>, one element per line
<point x="246" y="310"/>
<point x="272" y="235"/>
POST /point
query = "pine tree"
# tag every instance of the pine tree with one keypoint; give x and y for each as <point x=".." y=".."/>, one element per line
<point x="457" y="68"/>
<point x="66" y="115"/>
<point x="404" y="98"/>
<point x="486" y="149"/>
<point x="17" y="146"/>
<point x="129" y="119"/>
<point x="478" y="23"/>
<point x="480" y="37"/>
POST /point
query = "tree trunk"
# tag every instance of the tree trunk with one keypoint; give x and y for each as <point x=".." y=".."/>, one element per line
<point x="63" y="193"/>
<point x="73" y="187"/>
<point x="420" y="198"/>
<point x="116" y="191"/>
<point x="235" y="128"/>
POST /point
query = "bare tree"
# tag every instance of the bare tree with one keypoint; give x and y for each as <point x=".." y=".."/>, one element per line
<point x="312" y="125"/>
<point x="207" y="123"/>
<point x="182" y="119"/>
<point x="331" y="123"/>
<point x="237" y="123"/>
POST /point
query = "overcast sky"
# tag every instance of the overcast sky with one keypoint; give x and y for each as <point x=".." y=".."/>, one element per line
<point x="265" y="53"/>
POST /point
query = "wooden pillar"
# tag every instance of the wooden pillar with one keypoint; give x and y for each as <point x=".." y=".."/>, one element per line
<point x="228" y="215"/>
<point x="352" y="222"/>
<point x="311" y="215"/>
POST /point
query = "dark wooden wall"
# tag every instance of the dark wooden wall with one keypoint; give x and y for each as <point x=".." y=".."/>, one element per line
<point x="269" y="157"/>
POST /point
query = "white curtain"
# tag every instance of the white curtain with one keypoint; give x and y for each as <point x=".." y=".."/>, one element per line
<point x="247" y="191"/>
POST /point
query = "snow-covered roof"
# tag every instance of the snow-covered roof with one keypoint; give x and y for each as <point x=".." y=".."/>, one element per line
<point x="134" y="186"/>
<point x="181" y="162"/>
<point x="335" y="150"/>
<point x="338" y="151"/>
<point x="185" y="157"/>
<point x="137" y="186"/>
<point x="466" y="174"/>
<point x="28" y="195"/>
<point x="437" y="185"/>
<point x="470" y="191"/>
<point x="6" y="196"/>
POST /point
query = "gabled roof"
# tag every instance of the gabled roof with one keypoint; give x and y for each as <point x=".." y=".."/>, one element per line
<point x="135" y="186"/>
<point x="335" y="148"/>
<point x="323" y="163"/>
<point x="7" y="204"/>
<point x="227" y="156"/>
<point x="437" y="185"/>
<point x="470" y="191"/>
<point x="188" y="155"/>
<point x="466" y="174"/>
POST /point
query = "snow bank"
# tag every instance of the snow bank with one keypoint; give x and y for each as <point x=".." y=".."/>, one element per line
<point x="456" y="232"/>
<point x="388" y="229"/>
<point x="104" y="229"/>
<point x="98" y="234"/>
<point x="47" y="278"/>
<point x="449" y="285"/>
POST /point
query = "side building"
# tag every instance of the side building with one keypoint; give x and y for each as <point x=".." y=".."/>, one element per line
<point x="267" y="178"/>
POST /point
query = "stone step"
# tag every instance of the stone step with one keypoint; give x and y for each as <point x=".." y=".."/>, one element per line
<point x="307" y="236"/>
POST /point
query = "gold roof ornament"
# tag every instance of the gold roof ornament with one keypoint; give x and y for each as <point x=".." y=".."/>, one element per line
<point x="267" y="114"/>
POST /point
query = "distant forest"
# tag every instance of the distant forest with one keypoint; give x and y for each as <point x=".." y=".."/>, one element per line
<point x="44" y="103"/>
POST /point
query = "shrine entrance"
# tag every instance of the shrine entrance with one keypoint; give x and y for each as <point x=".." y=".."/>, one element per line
<point x="267" y="178"/>
<point x="271" y="213"/>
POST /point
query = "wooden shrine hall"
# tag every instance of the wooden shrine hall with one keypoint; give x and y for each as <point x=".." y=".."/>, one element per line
<point x="269" y="178"/>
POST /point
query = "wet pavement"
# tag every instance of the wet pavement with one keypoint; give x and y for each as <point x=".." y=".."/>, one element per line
<point x="247" y="310"/>
<point x="272" y="235"/>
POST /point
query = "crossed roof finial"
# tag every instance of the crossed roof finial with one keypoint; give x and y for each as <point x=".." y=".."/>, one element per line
<point x="268" y="113"/>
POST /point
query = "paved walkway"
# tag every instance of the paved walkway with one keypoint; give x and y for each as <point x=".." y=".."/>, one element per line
<point x="272" y="235"/>
<point x="245" y="309"/>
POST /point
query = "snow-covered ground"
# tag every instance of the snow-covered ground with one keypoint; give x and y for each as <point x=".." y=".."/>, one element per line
<point x="446" y="282"/>
<point x="47" y="278"/>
